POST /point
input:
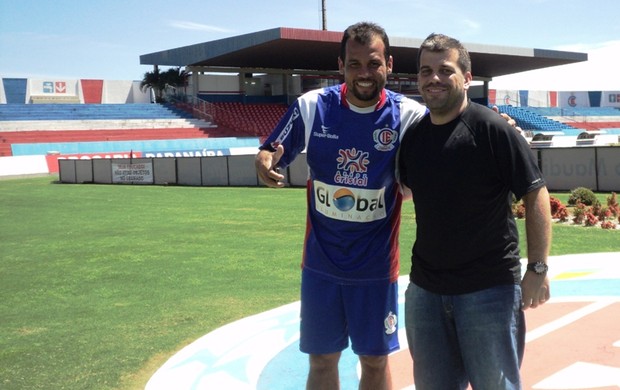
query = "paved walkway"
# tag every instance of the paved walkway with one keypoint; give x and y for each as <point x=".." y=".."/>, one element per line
<point x="573" y="341"/>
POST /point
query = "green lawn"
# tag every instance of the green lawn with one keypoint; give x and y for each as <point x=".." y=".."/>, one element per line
<point x="100" y="284"/>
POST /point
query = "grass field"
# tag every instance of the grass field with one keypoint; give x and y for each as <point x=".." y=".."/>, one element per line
<point x="101" y="284"/>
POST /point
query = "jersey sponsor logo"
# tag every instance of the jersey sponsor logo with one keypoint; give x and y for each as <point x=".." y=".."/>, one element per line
<point x="352" y="167"/>
<point x="324" y="133"/>
<point x="287" y="129"/>
<point x="353" y="160"/>
<point x="349" y="204"/>
<point x="384" y="139"/>
<point x="351" y="179"/>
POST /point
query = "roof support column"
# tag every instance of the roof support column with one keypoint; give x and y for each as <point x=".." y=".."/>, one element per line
<point x="195" y="76"/>
<point x="485" y="91"/>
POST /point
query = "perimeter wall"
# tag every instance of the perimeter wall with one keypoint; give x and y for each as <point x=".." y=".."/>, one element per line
<point x="597" y="168"/>
<point x="52" y="90"/>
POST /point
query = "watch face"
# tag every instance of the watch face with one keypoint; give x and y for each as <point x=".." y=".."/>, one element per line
<point x="539" y="267"/>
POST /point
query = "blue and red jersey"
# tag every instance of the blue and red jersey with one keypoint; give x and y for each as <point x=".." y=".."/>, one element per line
<point x="354" y="199"/>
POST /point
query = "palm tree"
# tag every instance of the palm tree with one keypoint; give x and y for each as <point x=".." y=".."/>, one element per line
<point x="153" y="80"/>
<point x="176" y="78"/>
<point x="158" y="81"/>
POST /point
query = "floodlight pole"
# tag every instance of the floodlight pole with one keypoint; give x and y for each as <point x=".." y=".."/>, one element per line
<point x="324" y="13"/>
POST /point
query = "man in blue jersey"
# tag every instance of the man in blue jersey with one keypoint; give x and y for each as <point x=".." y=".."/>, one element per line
<point x="351" y="133"/>
<point x="463" y="163"/>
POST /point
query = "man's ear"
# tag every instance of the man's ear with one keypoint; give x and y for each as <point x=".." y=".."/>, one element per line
<point x="468" y="80"/>
<point x="340" y="65"/>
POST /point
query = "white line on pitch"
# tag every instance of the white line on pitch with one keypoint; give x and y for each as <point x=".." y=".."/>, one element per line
<point x="566" y="320"/>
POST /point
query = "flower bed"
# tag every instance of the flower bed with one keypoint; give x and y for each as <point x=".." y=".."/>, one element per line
<point x="581" y="214"/>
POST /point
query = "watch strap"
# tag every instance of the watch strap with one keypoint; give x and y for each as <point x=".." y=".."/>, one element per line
<point x="538" y="267"/>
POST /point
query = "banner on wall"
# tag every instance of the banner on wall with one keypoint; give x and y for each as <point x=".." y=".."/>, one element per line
<point x="574" y="99"/>
<point x="507" y="97"/>
<point x="553" y="98"/>
<point x="52" y="158"/>
<point x="492" y="96"/>
<point x="187" y="153"/>
<point x="54" y="87"/>
<point x="611" y="99"/>
<point x="132" y="173"/>
<point x="525" y="98"/>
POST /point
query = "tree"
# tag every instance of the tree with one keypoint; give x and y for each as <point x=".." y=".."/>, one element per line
<point x="158" y="81"/>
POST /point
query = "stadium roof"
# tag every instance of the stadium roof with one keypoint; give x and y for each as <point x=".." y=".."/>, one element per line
<point x="305" y="50"/>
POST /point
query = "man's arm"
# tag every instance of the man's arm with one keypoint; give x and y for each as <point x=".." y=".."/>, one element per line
<point x="534" y="287"/>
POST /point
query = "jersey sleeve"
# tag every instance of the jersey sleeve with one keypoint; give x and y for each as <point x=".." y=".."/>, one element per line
<point x="412" y="113"/>
<point x="290" y="133"/>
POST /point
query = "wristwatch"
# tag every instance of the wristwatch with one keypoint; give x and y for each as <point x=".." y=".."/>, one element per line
<point x="539" y="267"/>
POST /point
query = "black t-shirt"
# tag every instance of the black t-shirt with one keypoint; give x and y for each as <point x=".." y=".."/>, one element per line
<point x="462" y="176"/>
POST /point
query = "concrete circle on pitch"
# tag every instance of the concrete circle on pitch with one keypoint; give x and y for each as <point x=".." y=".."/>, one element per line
<point x="261" y="352"/>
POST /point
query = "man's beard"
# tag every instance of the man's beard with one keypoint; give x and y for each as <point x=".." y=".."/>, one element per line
<point x="366" y="97"/>
<point x="443" y="104"/>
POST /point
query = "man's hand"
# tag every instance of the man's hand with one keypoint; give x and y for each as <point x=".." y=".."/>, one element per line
<point x="266" y="166"/>
<point x="535" y="290"/>
<point x="507" y="117"/>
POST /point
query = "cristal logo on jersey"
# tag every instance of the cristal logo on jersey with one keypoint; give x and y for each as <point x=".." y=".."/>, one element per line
<point x="384" y="139"/>
<point x="349" y="204"/>
<point x="352" y="160"/>
<point x="352" y="167"/>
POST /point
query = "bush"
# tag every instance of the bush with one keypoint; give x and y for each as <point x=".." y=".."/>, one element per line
<point x="608" y="225"/>
<point x="613" y="206"/>
<point x="583" y="195"/>
<point x="558" y="210"/>
<point x="555" y="204"/>
<point x="579" y="213"/>
<point x="590" y="219"/>
<point x="518" y="210"/>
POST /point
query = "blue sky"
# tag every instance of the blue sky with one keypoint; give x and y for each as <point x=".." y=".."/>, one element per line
<point x="104" y="39"/>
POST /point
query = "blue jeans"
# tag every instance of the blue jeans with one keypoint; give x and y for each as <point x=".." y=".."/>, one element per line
<point x="475" y="338"/>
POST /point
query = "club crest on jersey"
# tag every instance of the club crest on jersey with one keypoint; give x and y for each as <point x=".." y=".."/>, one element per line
<point x="384" y="139"/>
<point x="390" y="323"/>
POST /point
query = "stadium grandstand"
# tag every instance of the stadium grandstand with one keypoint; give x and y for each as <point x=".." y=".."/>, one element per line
<point x="239" y="87"/>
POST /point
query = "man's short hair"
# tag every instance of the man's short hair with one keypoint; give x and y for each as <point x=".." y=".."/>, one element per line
<point x="439" y="42"/>
<point x="364" y="33"/>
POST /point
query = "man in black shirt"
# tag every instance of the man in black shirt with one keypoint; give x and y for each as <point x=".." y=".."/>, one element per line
<point x="463" y="163"/>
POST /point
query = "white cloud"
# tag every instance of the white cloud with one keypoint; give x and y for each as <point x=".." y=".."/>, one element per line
<point x="598" y="73"/>
<point x="471" y="24"/>
<point x="186" y="25"/>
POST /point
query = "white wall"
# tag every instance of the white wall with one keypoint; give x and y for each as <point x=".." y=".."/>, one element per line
<point x="218" y="83"/>
<point x="116" y="91"/>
